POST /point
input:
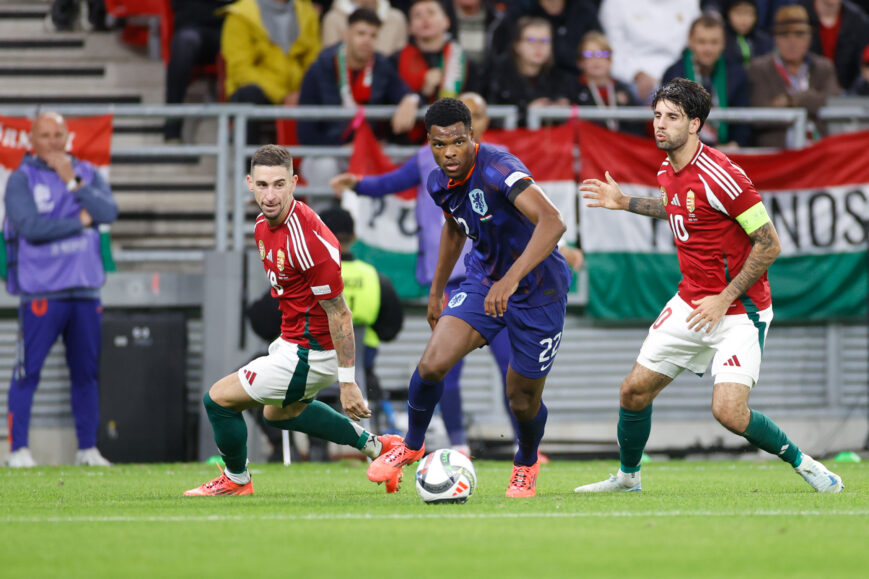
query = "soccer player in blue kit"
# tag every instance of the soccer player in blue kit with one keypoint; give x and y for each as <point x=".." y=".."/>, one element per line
<point x="515" y="279"/>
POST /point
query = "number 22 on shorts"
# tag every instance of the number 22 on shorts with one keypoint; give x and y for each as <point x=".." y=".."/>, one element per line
<point x="550" y="349"/>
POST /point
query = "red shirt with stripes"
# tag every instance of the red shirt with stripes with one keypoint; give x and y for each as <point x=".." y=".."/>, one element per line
<point x="702" y="201"/>
<point x="302" y="260"/>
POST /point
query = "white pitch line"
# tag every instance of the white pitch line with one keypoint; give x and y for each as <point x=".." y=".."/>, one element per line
<point x="440" y="515"/>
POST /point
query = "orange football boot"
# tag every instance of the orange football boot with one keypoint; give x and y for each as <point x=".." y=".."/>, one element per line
<point x="387" y="466"/>
<point x="220" y="486"/>
<point x="523" y="483"/>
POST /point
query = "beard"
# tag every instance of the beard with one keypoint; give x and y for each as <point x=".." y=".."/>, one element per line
<point x="672" y="143"/>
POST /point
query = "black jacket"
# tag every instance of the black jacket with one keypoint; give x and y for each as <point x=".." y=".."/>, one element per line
<point x="853" y="37"/>
<point x="508" y="87"/>
<point x="320" y="87"/>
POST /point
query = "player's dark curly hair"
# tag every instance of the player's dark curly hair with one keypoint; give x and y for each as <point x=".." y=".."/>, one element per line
<point x="688" y="95"/>
<point x="445" y="112"/>
<point x="272" y="156"/>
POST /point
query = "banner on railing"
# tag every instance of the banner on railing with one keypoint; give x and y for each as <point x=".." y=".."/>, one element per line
<point x="818" y="199"/>
<point x="90" y="139"/>
<point x="386" y="227"/>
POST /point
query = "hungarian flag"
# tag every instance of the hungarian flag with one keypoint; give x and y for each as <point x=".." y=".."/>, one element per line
<point x="386" y="227"/>
<point x="90" y="139"/>
<point x="817" y="198"/>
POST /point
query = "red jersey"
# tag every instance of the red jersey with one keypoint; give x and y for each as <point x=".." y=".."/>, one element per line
<point x="302" y="260"/>
<point x="703" y="201"/>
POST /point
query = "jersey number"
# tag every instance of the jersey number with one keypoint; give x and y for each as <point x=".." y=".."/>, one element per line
<point x="550" y="349"/>
<point x="273" y="280"/>
<point x="677" y="224"/>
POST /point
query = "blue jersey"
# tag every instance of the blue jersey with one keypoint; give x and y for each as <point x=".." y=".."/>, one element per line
<point x="483" y="207"/>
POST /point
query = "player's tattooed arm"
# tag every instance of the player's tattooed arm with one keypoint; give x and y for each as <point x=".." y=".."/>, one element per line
<point x="651" y="206"/>
<point x="765" y="248"/>
<point x="341" y="330"/>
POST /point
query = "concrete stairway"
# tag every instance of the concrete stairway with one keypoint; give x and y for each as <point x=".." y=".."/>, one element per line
<point x="165" y="203"/>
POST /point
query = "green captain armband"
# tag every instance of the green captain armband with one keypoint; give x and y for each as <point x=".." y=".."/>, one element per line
<point x="753" y="218"/>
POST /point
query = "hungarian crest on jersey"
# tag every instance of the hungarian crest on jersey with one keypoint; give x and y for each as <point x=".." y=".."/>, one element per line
<point x="262" y="250"/>
<point x="664" y="196"/>
<point x="689" y="201"/>
<point x="478" y="201"/>
<point x="281" y="260"/>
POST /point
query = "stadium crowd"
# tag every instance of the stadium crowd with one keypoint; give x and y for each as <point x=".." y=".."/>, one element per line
<point x="527" y="53"/>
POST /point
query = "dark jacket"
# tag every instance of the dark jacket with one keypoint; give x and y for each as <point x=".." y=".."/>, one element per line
<point x="198" y="13"/>
<point x="578" y="17"/>
<point x="765" y="84"/>
<point x="581" y="95"/>
<point x="320" y="87"/>
<point x="508" y="87"/>
<point x="759" y="42"/>
<point x="737" y="92"/>
<point x="853" y="37"/>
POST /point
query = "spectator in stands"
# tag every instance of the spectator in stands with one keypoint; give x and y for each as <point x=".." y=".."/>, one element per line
<point x="526" y="76"/>
<point x="841" y="32"/>
<point x="195" y="40"/>
<point x="596" y="86"/>
<point x="67" y="15"/>
<point x="569" y="21"/>
<point x="393" y="30"/>
<point x="642" y="38"/>
<point x="861" y="87"/>
<point x="745" y="39"/>
<point x="432" y="64"/>
<point x="790" y="76"/>
<point x="471" y="20"/>
<point x="351" y="74"/>
<point x="54" y="204"/>
<point x="703" y="62"/>
<point x="267" y="46"/>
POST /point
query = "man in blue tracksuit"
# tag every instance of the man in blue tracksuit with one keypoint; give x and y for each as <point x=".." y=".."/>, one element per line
<point x="54" y="204"/>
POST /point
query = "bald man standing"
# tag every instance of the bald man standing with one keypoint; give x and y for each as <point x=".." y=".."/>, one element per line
<point x="54" y="203"/>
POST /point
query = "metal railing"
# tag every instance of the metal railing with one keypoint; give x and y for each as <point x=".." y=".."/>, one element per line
<point x="795" y="119"/>
<point x="231" y="160"/>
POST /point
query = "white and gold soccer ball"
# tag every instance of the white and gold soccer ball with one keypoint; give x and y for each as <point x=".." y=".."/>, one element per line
<point x="445" y="476"/>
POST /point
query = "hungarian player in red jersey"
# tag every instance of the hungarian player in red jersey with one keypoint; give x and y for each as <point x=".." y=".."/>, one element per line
<point x="302" y="260"/>
<point x="725" y="242"/>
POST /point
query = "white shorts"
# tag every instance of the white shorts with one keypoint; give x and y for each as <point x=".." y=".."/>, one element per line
<point x="288" y="373"/>
<point x="734" y="346"/>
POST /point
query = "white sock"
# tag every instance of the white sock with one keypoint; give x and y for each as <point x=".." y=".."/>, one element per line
<point x="373" y="447"/>
<point x="241" y="478"/>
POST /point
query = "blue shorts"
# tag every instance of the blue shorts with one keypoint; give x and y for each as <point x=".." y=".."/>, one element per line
<point x="535" y="333"/>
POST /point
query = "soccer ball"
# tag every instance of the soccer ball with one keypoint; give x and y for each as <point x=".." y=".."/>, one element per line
<point x="445" y="476"/>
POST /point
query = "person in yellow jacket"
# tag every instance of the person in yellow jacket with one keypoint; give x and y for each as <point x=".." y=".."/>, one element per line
<point x="266" y="46"/>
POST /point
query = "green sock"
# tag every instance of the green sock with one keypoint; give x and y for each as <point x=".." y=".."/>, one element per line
<point x="633" y="433"/>
<point x="230" y="434"/>
<point x="766" y="435"/>
<point x="322" y="421"/>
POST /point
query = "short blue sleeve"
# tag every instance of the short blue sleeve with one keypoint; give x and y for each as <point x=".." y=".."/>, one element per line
<point x="509" y="174"/>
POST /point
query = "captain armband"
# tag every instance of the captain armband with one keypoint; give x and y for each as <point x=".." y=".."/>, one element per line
<point x="753" y="218"/>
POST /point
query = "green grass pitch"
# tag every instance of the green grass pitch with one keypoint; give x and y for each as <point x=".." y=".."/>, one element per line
<point x="694" y="519"/>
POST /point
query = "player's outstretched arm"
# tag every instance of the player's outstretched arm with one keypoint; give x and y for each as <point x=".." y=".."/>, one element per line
<point x="548" y="229"/>
<point x="452" y="242"/>
<point x="341" y="330"/>
<point x="765" y="248"/>
<point x="609" y="195"/>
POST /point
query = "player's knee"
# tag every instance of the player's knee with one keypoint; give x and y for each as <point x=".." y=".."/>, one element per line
<point x="633" y="397"/>
<point x="733" y="418"/>
<point x="524" y="408"/>
<point x="431" y="370"/>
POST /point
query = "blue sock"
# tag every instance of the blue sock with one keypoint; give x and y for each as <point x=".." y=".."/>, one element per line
<point x="451" y="406"/>
<point x="530" y="435"/>
<point x="422" y="397"/>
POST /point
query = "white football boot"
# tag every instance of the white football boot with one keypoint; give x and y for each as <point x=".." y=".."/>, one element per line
<point x="620" y="482"/>
<point x="21" y="458"/>
<point x="817" y="475"/>
<point x="90" y="457"/>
